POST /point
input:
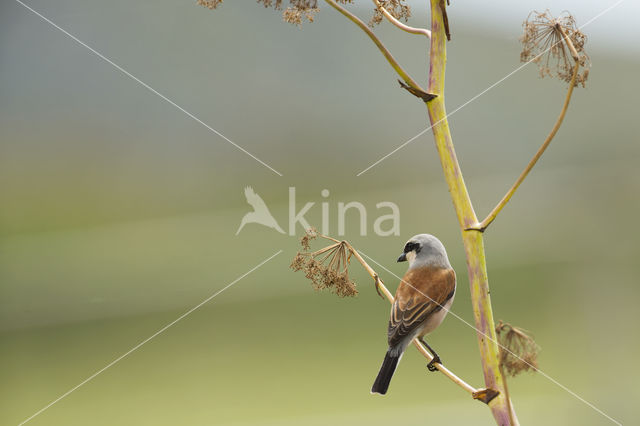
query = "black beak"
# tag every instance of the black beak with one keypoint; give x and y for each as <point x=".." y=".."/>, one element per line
<point x="403" y="257"/>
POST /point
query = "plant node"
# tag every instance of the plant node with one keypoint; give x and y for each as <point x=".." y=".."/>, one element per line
<point x="426" y="97"/>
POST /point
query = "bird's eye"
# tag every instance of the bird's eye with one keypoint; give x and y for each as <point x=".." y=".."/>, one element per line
<point x="411" y="246"/>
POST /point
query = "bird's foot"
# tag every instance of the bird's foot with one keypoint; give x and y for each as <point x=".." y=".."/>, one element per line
<point x="431" y="366"/>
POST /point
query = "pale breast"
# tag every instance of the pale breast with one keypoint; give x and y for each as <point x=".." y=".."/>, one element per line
<point x="435" y="319"/>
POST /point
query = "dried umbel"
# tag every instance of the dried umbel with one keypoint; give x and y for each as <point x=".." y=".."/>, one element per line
<point x="299" y="11"/>
<point x="295" y="15"/>
<point x="518" y="351"/>
<point x="397" y="8"/>
<point x="327" y="268"/>
<point x="556" y="45"/>
<point x="210" y="4"/>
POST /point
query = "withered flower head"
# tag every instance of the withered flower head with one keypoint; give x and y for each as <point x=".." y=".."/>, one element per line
<point x="296" y="12"/>
<point x="397" y="8"/>
<point x="327" y="268"/>
<point x="555" y="44"/>
<point x="210" y="4"/>
<point x="310" y="234"/>
<point x="521" y="353"/>
<point x="295" y="15"/>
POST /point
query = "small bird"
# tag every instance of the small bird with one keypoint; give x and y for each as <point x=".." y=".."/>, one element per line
<point x="260" y="213"/>
<point x="422" y="300"/>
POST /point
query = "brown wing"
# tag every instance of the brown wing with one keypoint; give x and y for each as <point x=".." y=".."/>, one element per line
<point x="422" y="292"/>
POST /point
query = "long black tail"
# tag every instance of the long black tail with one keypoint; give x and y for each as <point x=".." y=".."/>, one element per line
<point x="386" y="373"/>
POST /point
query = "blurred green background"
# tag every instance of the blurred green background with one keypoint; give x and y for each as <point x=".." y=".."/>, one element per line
<point x="119" y="214"/>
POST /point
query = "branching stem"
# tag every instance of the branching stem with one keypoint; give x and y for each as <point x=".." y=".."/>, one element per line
<point x="495" y="382"/>
<point x="494" y="213"/>
<point x="385" y="52"/>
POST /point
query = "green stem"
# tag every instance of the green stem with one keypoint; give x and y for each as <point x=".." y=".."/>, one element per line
<point x="473" y="240"/>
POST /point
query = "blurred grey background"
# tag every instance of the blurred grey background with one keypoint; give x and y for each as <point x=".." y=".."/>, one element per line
<point x="119" y="214"/>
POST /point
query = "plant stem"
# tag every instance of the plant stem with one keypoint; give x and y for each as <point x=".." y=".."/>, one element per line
<point x="385" y="52"/>
<point x="567" y="40"/>
<point x="496" y="210"/>
<point x="392" y="19"/>
<point x="506" y="392"/>
<point x="473" y="240"/>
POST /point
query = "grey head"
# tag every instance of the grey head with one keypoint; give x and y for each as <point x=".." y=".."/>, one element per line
<point x="425" y="250"/>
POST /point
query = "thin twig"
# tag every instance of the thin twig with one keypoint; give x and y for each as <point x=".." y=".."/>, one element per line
<point x="572" y="48"/>
<point x="506" y="392"/>
<point x="494" y="213"/>
<point x="388" y="56"/>
<point x="329" y="238"/>
<point x="326" y="249"/>
<point x="392" y="19"/>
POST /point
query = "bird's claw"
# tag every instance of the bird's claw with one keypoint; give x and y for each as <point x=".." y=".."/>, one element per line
<point x="377" y="284"/>
<point x="431" y="365"/>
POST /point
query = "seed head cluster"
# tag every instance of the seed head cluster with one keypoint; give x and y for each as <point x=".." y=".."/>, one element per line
<point x="521" y="353"/>
<point x="327" y="268"/>
<point x="544" y="43"/>
<point x="296" y="15"/>
<point x="299" y="11"/>
<point x="398" y="8"/>
<point x="210" y="4"/>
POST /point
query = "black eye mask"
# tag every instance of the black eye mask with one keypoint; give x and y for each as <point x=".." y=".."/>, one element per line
<point x="411" y="246"/>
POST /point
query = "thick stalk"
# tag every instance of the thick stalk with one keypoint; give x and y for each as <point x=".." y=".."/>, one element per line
<point x="472" y="239"/>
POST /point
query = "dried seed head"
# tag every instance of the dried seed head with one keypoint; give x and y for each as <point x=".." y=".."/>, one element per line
<point x="327" y="268"/>
<point x="299" y="10"/>
<point x="295" y="15"/>
<point x="544" y="43"/>
<point x="298" y="262"/>
<point x="397" y="8"/>
<point x="210" y="4"/>
<point x="309" y="235"/>
<point x="276" y="4"/>
<point x="518" y="351"/>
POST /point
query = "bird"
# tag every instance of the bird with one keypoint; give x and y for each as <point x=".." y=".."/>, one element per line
<point x="422" y="301"/>
<point x="260" y="213"/>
